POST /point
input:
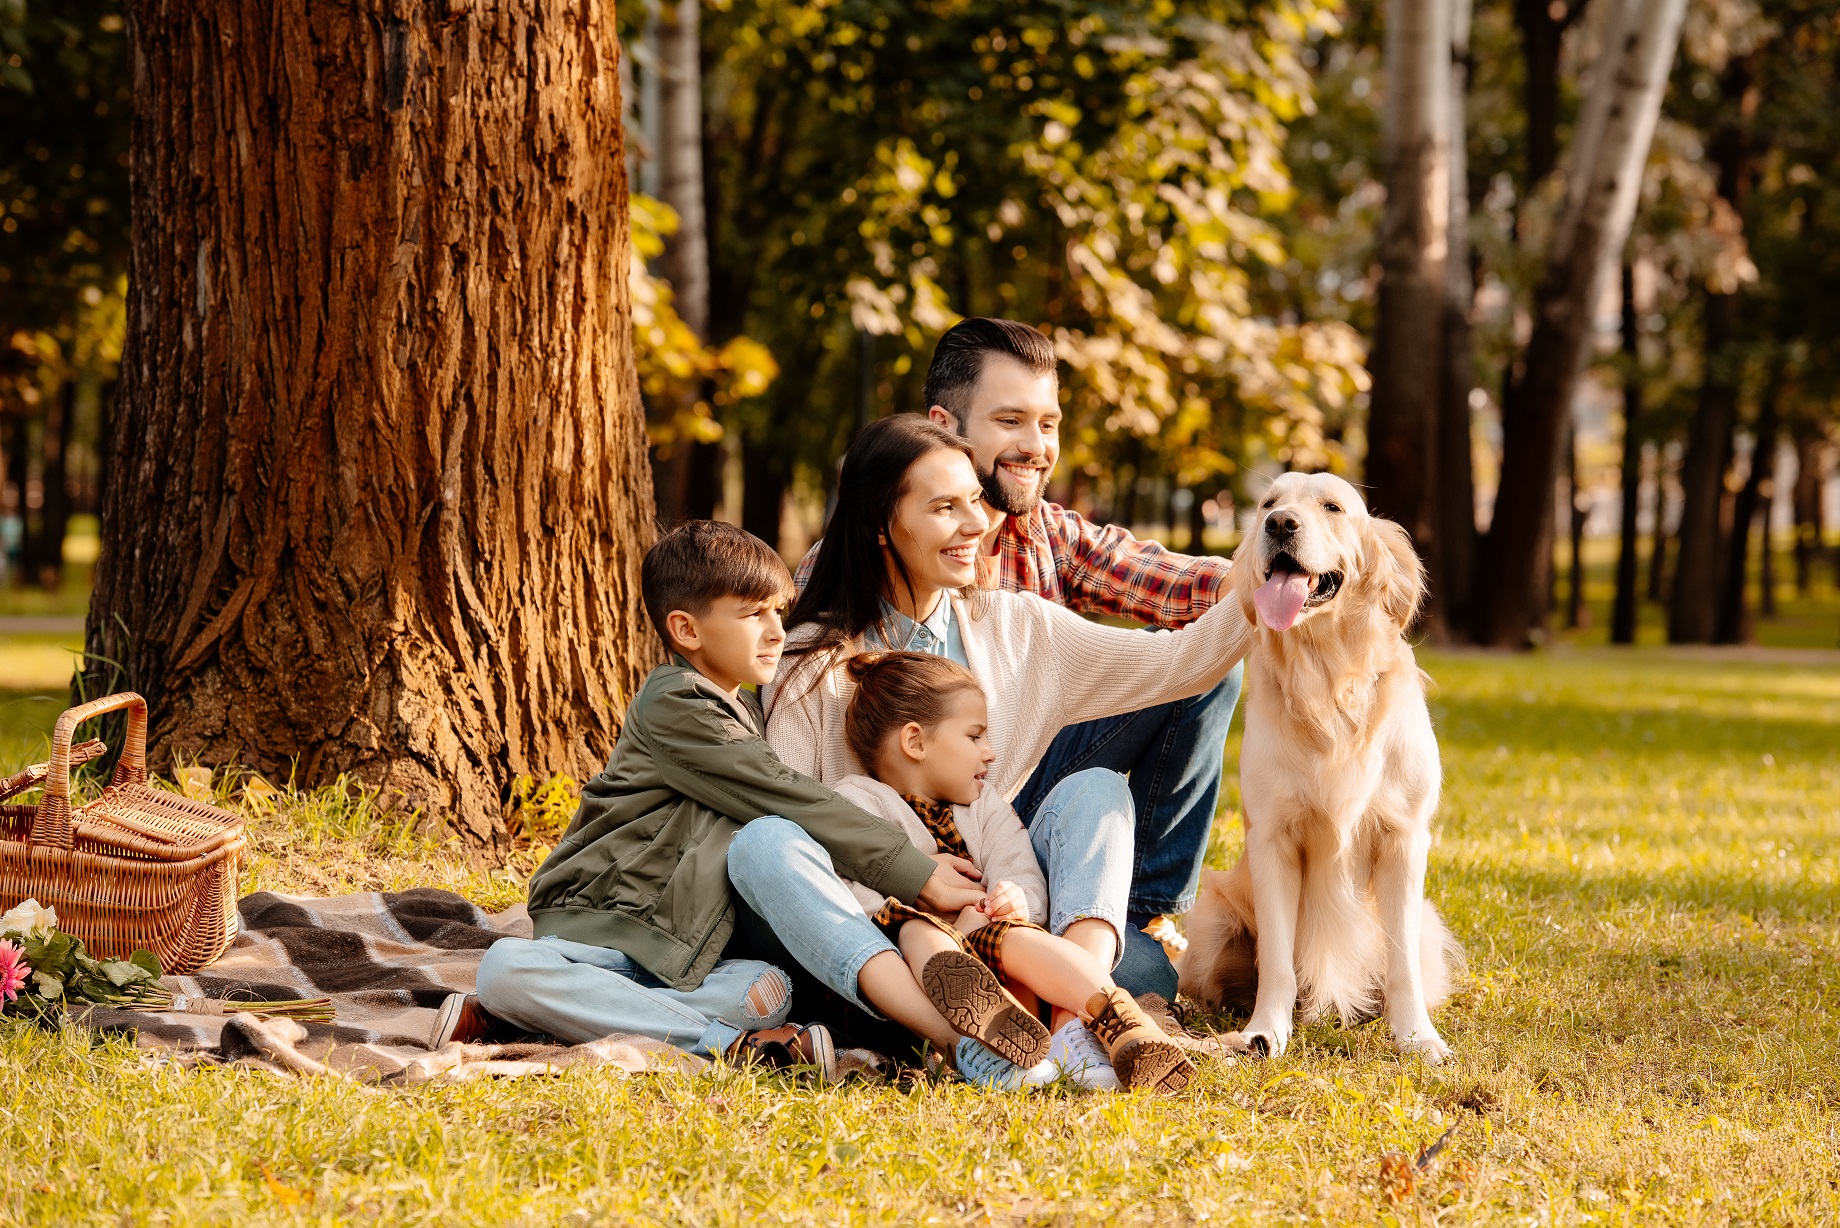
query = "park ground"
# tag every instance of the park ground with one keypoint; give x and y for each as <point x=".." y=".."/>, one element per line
<point x="1640" y="850"/>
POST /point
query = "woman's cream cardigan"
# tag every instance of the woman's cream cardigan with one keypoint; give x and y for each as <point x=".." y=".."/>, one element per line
<point x="992" y="833"/>
<point x="1042" y="668"/>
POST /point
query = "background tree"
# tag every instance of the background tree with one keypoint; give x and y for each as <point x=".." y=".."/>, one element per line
<point x="1408" y="349"/>
<point x="381" y="485"/>
<point x="64" y="109"/>
<point x="1608" y="155"/>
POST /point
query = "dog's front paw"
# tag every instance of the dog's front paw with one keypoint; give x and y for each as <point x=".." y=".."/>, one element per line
<point x="1423" y="1041"/>
<point x="1264" y="1040"/>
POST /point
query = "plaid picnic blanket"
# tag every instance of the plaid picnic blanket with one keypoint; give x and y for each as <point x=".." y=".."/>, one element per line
<point x="387" y="960"/>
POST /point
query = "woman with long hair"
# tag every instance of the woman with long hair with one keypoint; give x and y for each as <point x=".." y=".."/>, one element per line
<point x="897" y="570"/>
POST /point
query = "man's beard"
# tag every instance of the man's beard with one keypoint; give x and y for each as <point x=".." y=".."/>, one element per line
<point x="1005" y="500"/>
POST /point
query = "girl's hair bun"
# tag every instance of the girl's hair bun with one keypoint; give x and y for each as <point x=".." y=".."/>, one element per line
<point x="894" y="688"/>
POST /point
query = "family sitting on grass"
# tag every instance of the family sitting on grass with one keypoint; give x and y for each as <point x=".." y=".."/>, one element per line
<point x="953" y="803"/>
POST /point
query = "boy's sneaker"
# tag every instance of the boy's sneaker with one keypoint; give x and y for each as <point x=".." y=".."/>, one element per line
<point x="975" y="1003"/>
<point x="789" y="1045"/>
<point x="1082" y="1058"/>
<point x="1141" y="1054"/>
<point x="994" y="1072"/>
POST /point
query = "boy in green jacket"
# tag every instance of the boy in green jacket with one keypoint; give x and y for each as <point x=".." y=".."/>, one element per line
<point x="632" y="912"/>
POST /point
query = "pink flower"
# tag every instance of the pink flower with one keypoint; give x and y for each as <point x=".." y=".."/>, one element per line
<point x="13" y="970"/>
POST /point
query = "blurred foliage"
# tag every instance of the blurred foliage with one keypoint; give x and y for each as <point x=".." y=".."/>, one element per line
<point x="1109" y="172"/>
<point x="64" y="117"/>
<point x="682" y="380"/>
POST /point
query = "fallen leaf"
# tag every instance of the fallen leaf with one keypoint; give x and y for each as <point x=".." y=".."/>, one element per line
<point x="1398" y="1176"/>
<point x="195" y="782"/>
<point x="284" y="1194"/>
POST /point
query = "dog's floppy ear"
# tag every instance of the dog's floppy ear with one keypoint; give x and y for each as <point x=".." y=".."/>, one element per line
<point x="1394" y="570"/>
<point x="1244" y="579"/>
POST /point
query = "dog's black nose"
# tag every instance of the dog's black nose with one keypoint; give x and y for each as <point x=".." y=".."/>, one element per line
<point x="1281" y="524"/>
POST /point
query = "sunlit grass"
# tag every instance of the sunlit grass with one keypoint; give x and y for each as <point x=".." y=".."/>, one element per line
<point x="1640" y="852"/>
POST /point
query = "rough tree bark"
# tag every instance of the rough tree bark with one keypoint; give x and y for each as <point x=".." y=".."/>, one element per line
<point x="1693" y="604"/>
<point x="1603" y="181"/>
<point x="1623" y="611"/>
<point x="1406" y="360"/>
<point x="379" y="493"/>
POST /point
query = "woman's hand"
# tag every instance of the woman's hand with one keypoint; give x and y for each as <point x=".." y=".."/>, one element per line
<point x="1006" y="903"/>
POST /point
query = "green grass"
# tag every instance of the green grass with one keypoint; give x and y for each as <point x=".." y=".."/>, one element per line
<point x="1639" y="850"/>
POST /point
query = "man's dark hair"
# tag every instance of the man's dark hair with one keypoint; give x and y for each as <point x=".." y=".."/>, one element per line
<point x="700" y="561"/>
<point x="958" y="360"/>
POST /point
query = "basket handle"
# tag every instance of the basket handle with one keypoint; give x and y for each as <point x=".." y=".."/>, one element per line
<point x="34" y="775"/>
<point x="52" y="824"/>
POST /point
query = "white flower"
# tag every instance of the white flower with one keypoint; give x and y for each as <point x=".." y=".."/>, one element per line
<point x="29" y="920"/>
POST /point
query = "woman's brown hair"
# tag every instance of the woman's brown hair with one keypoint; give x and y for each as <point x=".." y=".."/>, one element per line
<point x="894" y="688"/>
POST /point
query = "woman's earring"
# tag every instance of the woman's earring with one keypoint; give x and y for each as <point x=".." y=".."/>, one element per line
<point x="881" y="539"/>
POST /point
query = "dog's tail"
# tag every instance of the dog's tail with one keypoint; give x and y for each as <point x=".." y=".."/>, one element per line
<point x="1440" y="957"/>
<point x="1221" y="969"/>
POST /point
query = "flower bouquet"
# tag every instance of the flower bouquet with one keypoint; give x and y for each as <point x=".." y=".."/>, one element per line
<point x="43" y="970"/>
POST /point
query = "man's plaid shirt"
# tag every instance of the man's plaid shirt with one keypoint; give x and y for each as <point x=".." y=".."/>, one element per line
<point x="1093" y="569"/>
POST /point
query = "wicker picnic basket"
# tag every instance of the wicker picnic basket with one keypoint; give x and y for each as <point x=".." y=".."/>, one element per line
<point x="137" y="867"/>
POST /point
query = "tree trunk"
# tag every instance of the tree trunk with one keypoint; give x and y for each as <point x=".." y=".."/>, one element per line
<point x="380" y="492"/>
<point x="1692" y="605"/>
<point x="1623" y="613"/>
<point x="1574" y="607"/>
<point x="1766" y="564"/>
<point x="1543" y="25"/>
<point x="1693" y="610"/>
<point x="19" y="476"/>
<point x="1806" y="502"/>
<point x="1197" y="522"/>
<point x="1733" y="623"/>
<point x="686" y="254"/>
<point x="60" y="427"/>
<point x="763" y="490"/>
<point x="1658" y="547"/>
<point x="1456" y="484"/>
<point x="1406" y="360"/>
<point x="1608" y="156"/>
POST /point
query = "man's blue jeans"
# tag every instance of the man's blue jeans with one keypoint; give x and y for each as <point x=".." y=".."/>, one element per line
<point x="1174" y="755"/>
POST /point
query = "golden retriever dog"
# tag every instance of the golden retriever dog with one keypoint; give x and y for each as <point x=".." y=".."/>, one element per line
<point x="1339" y="774"/>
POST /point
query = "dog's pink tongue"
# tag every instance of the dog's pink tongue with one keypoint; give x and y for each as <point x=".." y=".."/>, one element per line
<point x="1280" y="599"/>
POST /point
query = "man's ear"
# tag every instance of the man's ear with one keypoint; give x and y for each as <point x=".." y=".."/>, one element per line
<point x="1395" y="570"/>
<point x="912" y="741"/>
<point x="680" y="629"/>
<point x="939" y="415"/>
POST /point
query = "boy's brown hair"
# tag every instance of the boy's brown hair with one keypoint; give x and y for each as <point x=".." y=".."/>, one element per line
<point x="701" y="561"/>
<point x="894" y="688"/>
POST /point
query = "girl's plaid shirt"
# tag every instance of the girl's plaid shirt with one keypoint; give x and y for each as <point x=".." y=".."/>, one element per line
<point x="1093" y="569"/>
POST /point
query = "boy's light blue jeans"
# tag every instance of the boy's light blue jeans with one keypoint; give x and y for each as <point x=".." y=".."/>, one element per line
<point x="577" y="992"/>
<point x="1082" y="836"/>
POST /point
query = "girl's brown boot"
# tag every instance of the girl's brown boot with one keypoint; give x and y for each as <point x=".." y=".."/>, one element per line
<point x="1142" y="1055"/>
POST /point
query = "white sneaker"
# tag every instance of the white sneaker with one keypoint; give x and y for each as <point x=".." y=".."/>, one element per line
<point x="1082" y="1058"/>
<point x="993" y="1072"/>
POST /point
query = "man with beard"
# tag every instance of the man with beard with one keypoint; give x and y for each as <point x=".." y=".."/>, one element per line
<point x="995" y="382"/>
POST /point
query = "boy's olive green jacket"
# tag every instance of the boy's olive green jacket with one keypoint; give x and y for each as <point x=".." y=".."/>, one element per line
<point x="644" y="867"/>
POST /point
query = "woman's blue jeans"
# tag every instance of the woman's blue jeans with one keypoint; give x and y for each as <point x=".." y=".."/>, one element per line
<point x="1082" y="837"/>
